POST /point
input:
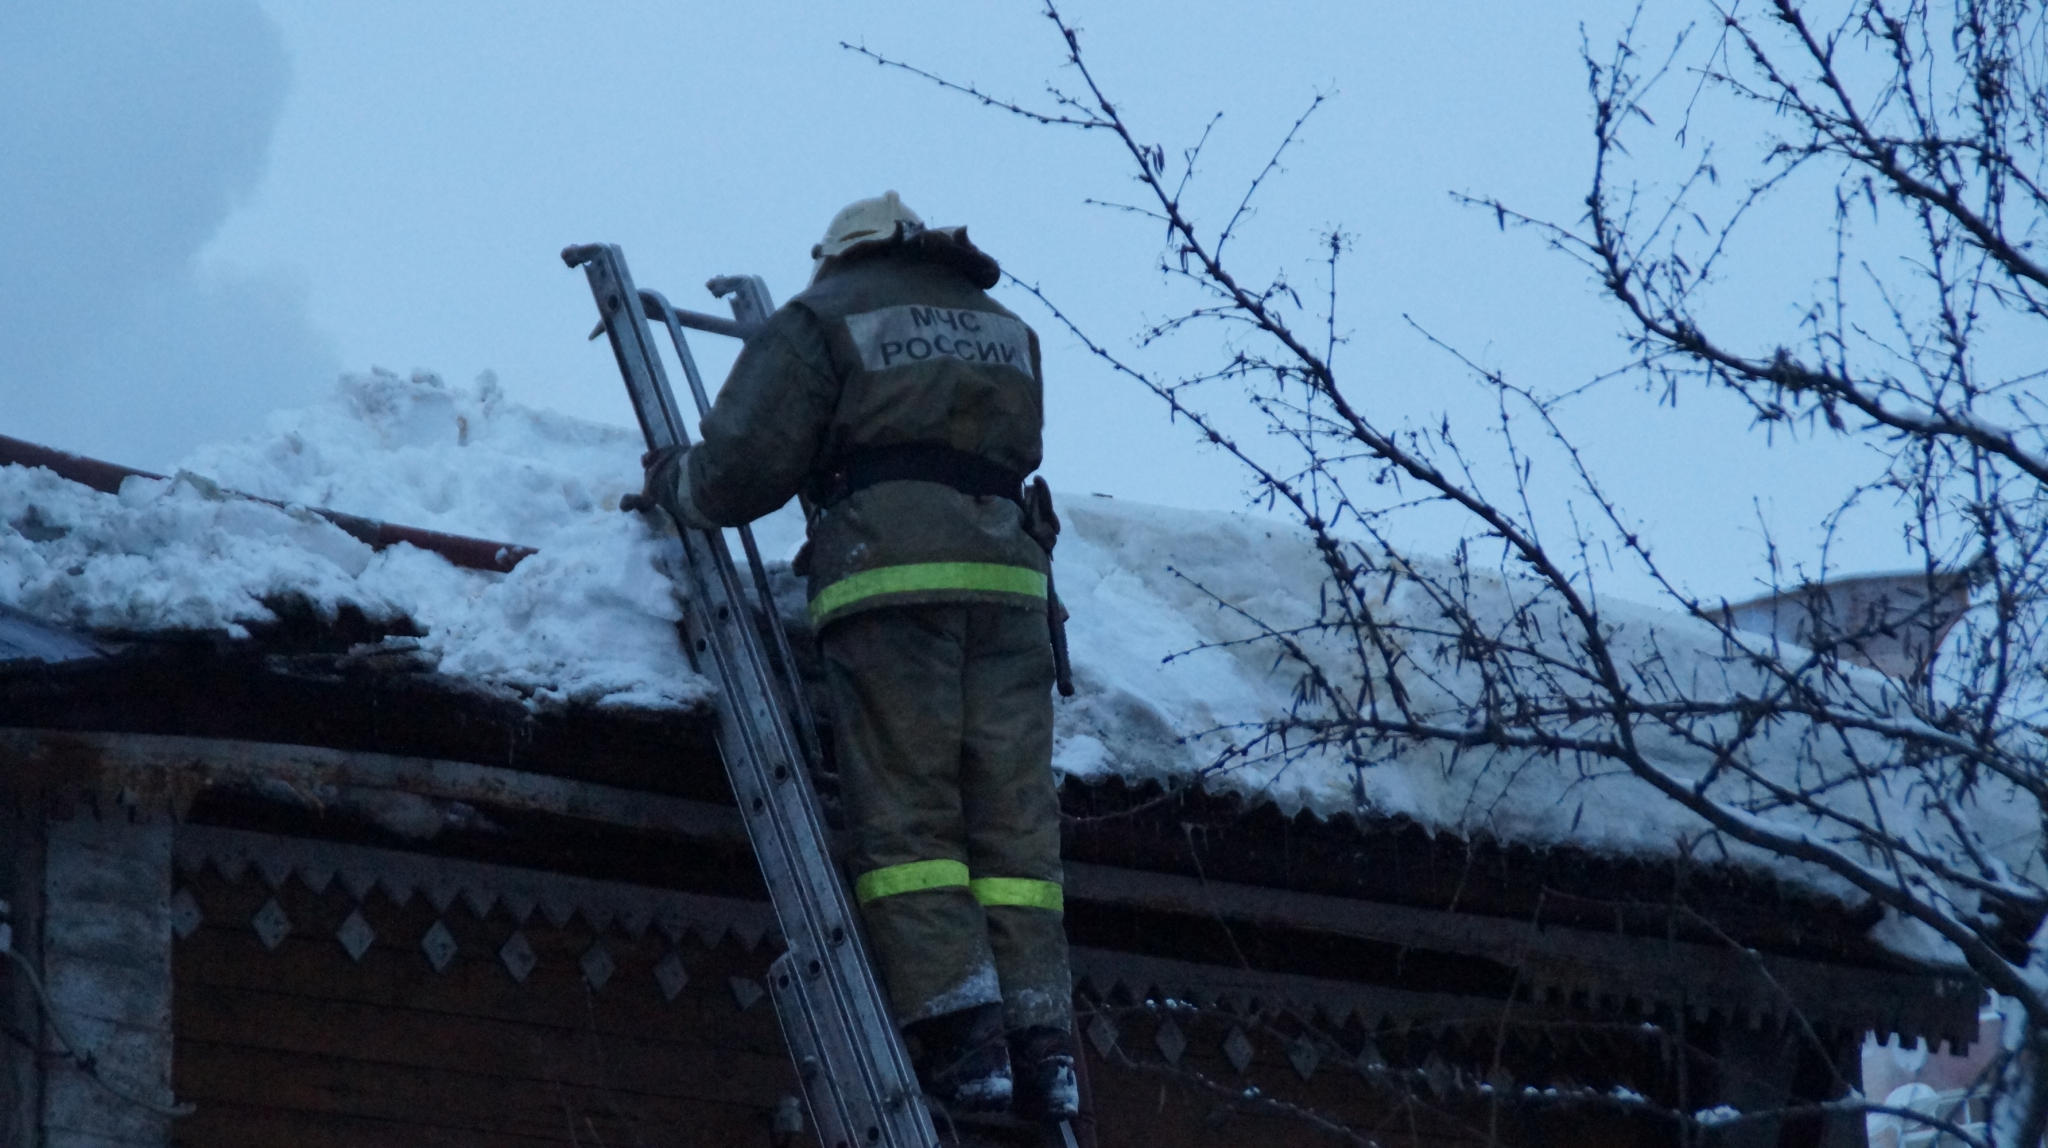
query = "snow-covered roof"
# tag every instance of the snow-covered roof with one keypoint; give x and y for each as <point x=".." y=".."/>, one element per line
<point x="24" y="639"/>
<point x="590" y="618"/>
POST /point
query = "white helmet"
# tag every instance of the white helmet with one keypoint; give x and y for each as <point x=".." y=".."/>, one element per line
<point x="874" y="220"/>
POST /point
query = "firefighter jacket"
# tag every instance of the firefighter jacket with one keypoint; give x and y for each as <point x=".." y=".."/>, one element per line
<point x="898" y="348"/>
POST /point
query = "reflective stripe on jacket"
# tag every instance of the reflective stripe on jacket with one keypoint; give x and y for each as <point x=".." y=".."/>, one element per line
<point x="900" y="583"/>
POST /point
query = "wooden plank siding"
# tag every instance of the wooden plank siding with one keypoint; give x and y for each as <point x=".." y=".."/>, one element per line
<point x="1201" y="1100"/>
<point x="303" y="1046"/>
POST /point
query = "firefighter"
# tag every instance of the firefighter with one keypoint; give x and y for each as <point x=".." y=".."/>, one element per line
<point x="906" y="404"/>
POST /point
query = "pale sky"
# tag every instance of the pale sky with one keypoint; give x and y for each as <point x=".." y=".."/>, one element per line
<point x="213" y="208"/>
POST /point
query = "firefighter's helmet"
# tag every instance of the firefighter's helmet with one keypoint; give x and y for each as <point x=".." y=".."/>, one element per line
<point x="865" y="221"/>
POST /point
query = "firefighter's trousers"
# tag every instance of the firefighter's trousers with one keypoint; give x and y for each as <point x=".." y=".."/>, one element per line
<point x="942" y="716"/>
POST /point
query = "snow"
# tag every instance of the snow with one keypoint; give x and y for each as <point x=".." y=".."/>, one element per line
<point x="1146" y="582"/>
<point x="168" y="555"/>
<point x="589" y="619"/>
<point x="1160" y="599"/>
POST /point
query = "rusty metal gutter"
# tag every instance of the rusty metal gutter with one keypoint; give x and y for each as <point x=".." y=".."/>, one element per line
<point x="107" y="477"/>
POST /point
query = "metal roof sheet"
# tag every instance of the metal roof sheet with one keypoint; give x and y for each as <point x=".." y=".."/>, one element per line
<point x="24" y="638"/>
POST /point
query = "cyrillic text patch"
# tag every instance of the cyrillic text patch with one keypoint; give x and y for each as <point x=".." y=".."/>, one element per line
<point x="899" y="336"/>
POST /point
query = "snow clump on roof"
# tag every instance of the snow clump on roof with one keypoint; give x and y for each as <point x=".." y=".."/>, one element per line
<point x="589" y="619"/>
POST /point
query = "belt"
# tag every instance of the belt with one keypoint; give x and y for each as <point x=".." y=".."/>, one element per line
<point x="967" y="473"/>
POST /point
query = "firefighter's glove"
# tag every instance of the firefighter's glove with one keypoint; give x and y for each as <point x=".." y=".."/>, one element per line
<point x="664" y="469"/>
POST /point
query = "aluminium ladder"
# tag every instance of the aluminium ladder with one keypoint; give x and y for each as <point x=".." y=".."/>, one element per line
<point x="840" y="1030"/>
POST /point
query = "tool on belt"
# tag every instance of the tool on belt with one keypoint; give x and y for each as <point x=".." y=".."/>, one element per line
<point x="1044" y="528"/>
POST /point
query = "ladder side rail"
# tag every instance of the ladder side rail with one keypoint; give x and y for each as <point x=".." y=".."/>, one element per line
<point x="794" y="694"/>
<point x="751" y="303"/>
<point x="762" y="782"/>
<point x="855" y="1098"/>
<point x="863" y="1091"/>
<point x="654" y="403"/>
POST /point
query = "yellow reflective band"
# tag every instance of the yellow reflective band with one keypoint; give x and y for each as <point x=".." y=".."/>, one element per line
<point x="928" y="576"/>
<point x="912" y="877"/>
<point x="1018" y="891"/>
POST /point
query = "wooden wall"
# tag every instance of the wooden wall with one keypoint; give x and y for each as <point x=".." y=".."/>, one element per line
<point x="296" y="1042"/>
<point x="106" y="936"/>
<point x="304" y="1047"/>
<point x="21" y="882"/>
<point x="1283" y="1098"/>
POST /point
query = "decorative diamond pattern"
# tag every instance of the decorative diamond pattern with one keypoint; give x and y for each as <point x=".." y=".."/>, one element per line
<point x="479" y="900"/>
<point x="558" y="910"/>
<point x="597" y="965"/>
<point x="315" y="876"/>
<point x="441" y="893"/>
<point x="396" y="886"/>
<point x="272" y="926"/>
<point x="1437" y="1075"/>
<point x="1369" y="1060"/>
<point x="358" y="882"/>
<point x="1102" y="1033"/>
<point x="745" y="992"/>
<point x="671" y="976"/>
<point x="355" y="936"/>
<point x="671" y="922"/>
<point x="1171" y="1040"/>
<point x="518" y="957"/>
<point x="185" y="915"/>
<point x="439" y="945"/>
<point x="1303" y="1054"/>
<point x="1237" y="1048"/>
<point x="274" y="871"/>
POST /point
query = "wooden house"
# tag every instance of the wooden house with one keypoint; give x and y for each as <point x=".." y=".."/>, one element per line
<point x="299" y="888"/>
<point x="324" y="898"/>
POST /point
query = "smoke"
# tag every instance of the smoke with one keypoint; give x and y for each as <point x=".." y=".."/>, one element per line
<point x="128" y="132"/>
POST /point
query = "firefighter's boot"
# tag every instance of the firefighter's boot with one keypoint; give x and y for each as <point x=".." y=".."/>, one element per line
<point x="1046" y="1088"/>
<point x="962" y="1059"/>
